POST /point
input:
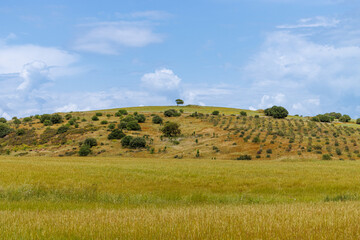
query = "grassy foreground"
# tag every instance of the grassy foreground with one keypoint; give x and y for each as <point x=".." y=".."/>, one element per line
<point x="117" y="198"/>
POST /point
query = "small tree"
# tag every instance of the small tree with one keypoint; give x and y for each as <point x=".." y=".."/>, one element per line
<point x="4" y="130"/>
<point x="276" y="112"/>
<point x="91" y="142"/>
<point x="243" y="113"/>
<point x="116" y="134"/>
<point x="133" y="125"/>
<point x="171" y="129"/>
<point x="137" y="142"/>
<point x="358" y="121"/>
<point x="3" y="120"/>
<point x="56" y="118"/>
<point x="215" y="113"/>
<point x="157" y="119"/>
<point x="179" y="102"/>
<point x="345" y="118"/>
<point x="84" y="150"/>
<point x="171" y="113"/>
<point x="140" y="118"/>
<point x="125" y="141"/>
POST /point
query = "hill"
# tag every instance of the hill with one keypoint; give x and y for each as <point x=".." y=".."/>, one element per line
<point x="228" y="135"/>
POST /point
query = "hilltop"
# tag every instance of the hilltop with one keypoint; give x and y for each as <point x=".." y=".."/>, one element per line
<point x="228" y="135"/>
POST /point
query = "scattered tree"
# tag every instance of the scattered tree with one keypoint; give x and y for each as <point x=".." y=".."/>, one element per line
<point x="345" y="118"/>
<point x="137" y="142"/>
<point x="91" y="142"/>
<point x="171" y="113"/>
<point x="157" y="119"/>
<point x="116" y="134"/>
<point x="171" y="129"/>
<point x="276" y="112"/>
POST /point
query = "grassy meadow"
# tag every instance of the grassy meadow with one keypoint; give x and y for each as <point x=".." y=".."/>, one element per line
<point x="149" y="198"/>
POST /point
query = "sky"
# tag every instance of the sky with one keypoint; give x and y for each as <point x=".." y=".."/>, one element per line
<point x="61" y="55"/>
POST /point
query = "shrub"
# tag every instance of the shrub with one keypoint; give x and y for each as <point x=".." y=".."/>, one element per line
<point x="140" y="118"/>
<point x="358" y="121"/>
<point x="322" y="118"/>
<point x="129" y="118"/>
<point x="171" y="129"/>
<point x="215" y="113"/>
<point x="68" y="116"/>
<point x="326" y="157"/>
<point x="157" y="119"/>
<point x="62" y="129"/>
<point x="56" y="118"/>
<point x="99" y="114"/>
<point x="45" y="117"/>
<point x="338" y="151"/>
<point x="256" y="140"/>
<point x="27" y="119"/>
<point x="125" y="141"/>
<point x="269" y="151"/>
<point x="111" y="126"/>
<point x="16" y="120"/>
<point x="243" y="113"/>
<point x="104" y="122"/>
<point x="91" y="142"/>
<point x="4" y="130"/>
<point x="244" y="157"/>
<point x="95" y="118"/>
<point x="84" y="150"/>
<point x="20" y="132"/>
<point x="3" y="120"/>
<point x="172" y="113"/>
<point x="121" y="112"/>
<point x="47" y="122"/>
<point x="122" y="125"/>
<point x="345" y="118"/>
<point x="133" y="125"/>
<point x="72" y="121"/>
<point x="116" y="134"/>
<point x="276" y="112"/>
<point x="137" y="142"/>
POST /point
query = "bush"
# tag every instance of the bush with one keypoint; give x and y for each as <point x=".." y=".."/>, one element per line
<point x="20" y="132"/>
<point x="104" y="122"/>
<point x="68" y="116"/>
<point x="276" y="112"/>
<point x="326" y="157"/>
<point x="72" y="122"/>
<point x="27" y="119"/>
<point x="243" y="113"/>
<point x="172" y="113"/>
<point x="116" y="134"/>
<point x="111" y="126"/>
<point x="16" y="120"/>
<point x="56" y="118"/>
<point x="4" y="130"/>
<point x="338" y="151"/>
<point x="95" y="118"/>
<point x="244" y="157"/>
<point x="84" y="150"/>
<point x="345" y="118"/>
<point x="137" y="142"/>
<point x="157" y="119"/>
<point x="322" y="118"/>
<point x="129" y="118"/>
<point x="171" y="129"/>
<point x="44" y="117"/>
<point x="122" y="125"/>
<point x="91" y="142"/>
<point x="358" y="121"/>
<point x="3" y="120"/>
<point x="133" y="125"/>
<point x="123" y="112"/>
<point x="215" y="113"/>
<point x="62" y="129"/>
<point x="125" y="141"/>
<point x="140" y="118"/>
<point x="47" y="122"/>
<point x="269" y="151"/>
<point x="99" y="114"/>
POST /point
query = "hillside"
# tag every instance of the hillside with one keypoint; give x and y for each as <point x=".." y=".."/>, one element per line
<point x="225" y="136"/>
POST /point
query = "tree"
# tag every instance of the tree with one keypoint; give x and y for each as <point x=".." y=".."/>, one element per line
<point x="137" y="142"/>
<point x="179" y="102"/>
<point x="3" y="120"/>
<point x="84" y="150"/>
<point x="345" y="118"/>
<point x="171" y="113"/>
<point x="125" y="141"/>
<point x="358" y="121"/>
<point x="56" y="118"/>
<point x="157" y="119"/>
<point x="116" y="134"/>
<point x="140" y="118"/>
<point x="276" y="112"/>
<point x="91" y="142"/>
<point x="171" y="129"/>
<point x="216" y="112"/>
<point x="4" y="130"/>
<point x="133" y="125"/>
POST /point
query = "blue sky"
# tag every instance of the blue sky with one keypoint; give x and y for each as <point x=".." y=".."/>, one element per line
<point x="251" y="54"/>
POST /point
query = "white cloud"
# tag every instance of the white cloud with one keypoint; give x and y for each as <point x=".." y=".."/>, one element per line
<point x="111" y="37"/>
<point x="163" y="79"/>
<point x="33" y="74"/>
<point x="312" y="23"/>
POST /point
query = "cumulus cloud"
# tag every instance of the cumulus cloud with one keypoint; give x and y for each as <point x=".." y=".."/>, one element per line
<point x="162" y="79"/>
<point x="302" y="69"/>
<point x="111" y="37"/>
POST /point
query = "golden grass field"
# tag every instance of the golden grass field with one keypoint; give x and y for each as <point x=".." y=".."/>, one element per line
<point x="123" y="198"/>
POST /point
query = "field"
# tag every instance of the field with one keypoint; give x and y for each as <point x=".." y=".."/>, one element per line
<point x="149" y="198"/>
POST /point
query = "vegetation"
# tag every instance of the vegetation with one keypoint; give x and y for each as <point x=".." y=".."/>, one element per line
<point x="276" y="112"/>
<point x="179" y="102"/>
<point x="137" y="142"/>
<point x="157" y="119"/>
<point x="4" y="130"/>
<point x="171" y="129"/>
<point x="91" y="142"/>
<point x="172" y="113"/>
<point x="116" y="134"/>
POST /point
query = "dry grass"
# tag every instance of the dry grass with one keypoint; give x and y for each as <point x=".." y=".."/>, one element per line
<point x="290" y="221"/>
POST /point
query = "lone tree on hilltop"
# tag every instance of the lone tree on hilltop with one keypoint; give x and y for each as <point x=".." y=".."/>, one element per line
<point x="276" y="112"/>
<point x="179" y="102"/>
